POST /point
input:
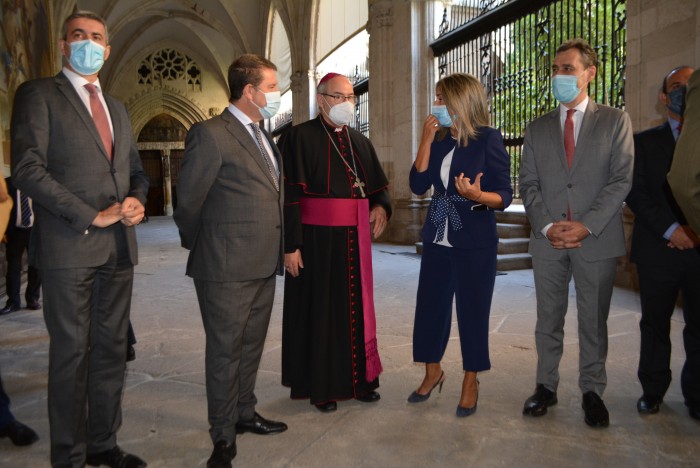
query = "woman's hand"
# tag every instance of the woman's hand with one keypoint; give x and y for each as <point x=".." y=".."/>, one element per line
<point x="467" y="189"/>
<point x="430" y="128"/>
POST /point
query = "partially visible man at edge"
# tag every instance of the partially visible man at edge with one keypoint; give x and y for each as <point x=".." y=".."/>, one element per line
<point x="335" y="189"/>
<point x="684" y="177"/>
<point x="665" y="250"/>
<point x="74" y="154"/>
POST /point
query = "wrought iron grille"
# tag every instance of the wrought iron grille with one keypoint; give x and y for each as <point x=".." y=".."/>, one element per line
<point x="509" y="45"/>
<point x="359" y="77"/>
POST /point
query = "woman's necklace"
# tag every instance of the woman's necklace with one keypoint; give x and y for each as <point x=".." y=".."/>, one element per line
<point x="358" y="183"/>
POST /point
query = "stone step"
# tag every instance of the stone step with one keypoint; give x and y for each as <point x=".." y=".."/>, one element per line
<point x="510" y="231"/>
<point x="514" y="245"/>
<point x="515" y="261"/>
<point x="512" y="217"/>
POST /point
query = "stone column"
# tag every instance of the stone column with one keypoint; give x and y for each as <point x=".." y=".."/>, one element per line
<point x="400" y="93"/>
<point x="167" y="183"/>
<point x="303" y="96"/>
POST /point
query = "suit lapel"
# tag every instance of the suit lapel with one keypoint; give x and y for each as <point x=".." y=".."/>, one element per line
<point x="237" y="129"/>
<point x="66" y="88"/>
<point x="585" y="135"/>
<point x="557" y="137"/>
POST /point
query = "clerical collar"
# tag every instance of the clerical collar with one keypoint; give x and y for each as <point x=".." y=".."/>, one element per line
<point x="330" y="127"/>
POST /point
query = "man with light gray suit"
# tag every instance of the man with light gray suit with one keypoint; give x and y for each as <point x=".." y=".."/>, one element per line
<point x="74" y="154"/>
<point x="230" y="218"/>
<point x="575" y="174"/>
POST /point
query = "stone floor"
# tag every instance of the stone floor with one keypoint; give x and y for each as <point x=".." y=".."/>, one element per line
<point x="165" y="405"/>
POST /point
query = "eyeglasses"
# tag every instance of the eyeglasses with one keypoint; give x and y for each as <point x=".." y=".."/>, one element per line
<point x="338" y="98"/>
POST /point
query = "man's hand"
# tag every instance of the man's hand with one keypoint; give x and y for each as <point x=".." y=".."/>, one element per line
<point x="293" y="262"/>
<point x="683" y="238"/>
<point x="108" y="216"/>
<point x="567" y="234"/>
<point x="132" y="211"/>
<point x="378" y="217"/>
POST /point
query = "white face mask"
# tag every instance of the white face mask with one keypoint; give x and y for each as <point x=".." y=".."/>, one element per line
<point x="341" y="114"/>
<point x="273" y="99"/>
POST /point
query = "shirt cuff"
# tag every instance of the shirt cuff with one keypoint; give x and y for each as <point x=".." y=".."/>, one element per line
<point x="669" y="231"/>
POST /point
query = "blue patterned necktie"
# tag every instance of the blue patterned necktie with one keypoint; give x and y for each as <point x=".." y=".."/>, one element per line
<point x="265" y="156"/>
<point x="25" y="210"/>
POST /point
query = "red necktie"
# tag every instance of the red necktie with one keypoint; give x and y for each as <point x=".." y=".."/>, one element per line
<point x="569" y="141"/>
<point x="100" y="117"/>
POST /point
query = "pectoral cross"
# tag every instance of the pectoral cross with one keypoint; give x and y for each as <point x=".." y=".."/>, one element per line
<point x="359" y="185"/>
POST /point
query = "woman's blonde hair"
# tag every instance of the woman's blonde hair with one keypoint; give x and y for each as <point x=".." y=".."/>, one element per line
<point x="465" y="99"/>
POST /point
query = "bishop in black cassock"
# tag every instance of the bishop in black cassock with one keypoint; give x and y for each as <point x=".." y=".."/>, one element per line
<point x="326" y="353"/>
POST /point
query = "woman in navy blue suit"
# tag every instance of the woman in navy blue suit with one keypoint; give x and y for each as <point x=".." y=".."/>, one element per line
<point x="464" y="160"/>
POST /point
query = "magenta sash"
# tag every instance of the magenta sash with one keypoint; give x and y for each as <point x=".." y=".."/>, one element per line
<point x="352" y="212"/>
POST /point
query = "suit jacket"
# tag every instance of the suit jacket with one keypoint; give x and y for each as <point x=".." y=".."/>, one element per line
<point x="229" y="213"/>
<point x="651" y="200"/>
<point x="685" y="171"/>
<point x="59" y="160"/>
<point x="594" y="188"/>
<point x="484" y="154"/>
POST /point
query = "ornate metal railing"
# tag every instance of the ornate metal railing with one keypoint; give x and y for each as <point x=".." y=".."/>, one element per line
<point x="359" y="77"/>
<point x="509" y="46"/>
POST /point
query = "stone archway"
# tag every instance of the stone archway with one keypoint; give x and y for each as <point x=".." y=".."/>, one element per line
<point x="161" y="143"/>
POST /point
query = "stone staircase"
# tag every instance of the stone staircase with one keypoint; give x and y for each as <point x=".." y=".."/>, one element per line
<point x="514" y="238"/>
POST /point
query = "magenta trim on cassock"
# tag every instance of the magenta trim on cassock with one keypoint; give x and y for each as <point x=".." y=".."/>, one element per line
<point x="352" y="212"/>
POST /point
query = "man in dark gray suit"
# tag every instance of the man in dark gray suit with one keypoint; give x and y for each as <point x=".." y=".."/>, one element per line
<point x="74" y="154"/>
<point x="576" y="171"/>
<point x="229" y="214"/>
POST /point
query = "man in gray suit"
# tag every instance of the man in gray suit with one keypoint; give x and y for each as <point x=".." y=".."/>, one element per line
<point x="74" y="154"/>
<point x="576" y="171"/>
<point x="230" y="218"/>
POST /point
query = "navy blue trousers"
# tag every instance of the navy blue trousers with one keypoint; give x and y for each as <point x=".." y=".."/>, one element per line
<point x="469" y="277"/>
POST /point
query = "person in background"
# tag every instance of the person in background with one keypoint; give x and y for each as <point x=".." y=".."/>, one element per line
<point x="18" y="231"/>
<point x="17" y="432"/>
<point x="465" y="162"/>
<point x="665" y="250"/>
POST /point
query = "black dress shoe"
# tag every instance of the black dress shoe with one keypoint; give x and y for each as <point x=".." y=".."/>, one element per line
<point x="327" y="407"/>
<point x="260" y="425"/>
<point x="33" y="305"/>
<point x="371" y="397"/>
<point x="222" y="455"/>
<point x="694" y="413"/>
<point x="538" y="403"/>
<point x="648" y="404"/>
<point x="595" y="411"/>
<point x="130" y="353"/>
<point x="19" y="434"/>
<point x="115" y="458"/>
<point x="8" y="309"/>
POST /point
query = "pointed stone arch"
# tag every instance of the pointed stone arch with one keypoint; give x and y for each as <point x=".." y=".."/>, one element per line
<point x="151" y="102"/>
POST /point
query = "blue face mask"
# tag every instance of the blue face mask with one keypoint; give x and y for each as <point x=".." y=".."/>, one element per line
<point x="440" y="112"/>
<point x="86" y="57"/>
<point x="274" y="100"/>
<point x="565" y="88"/>
<point x="676" y="100"/>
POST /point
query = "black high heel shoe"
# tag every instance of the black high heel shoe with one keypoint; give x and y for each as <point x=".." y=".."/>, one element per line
<point x="416" y="397"/>
<point x="463" y="412"/>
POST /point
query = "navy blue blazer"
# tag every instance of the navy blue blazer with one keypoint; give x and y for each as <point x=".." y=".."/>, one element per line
<point x="471" y="225"/>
